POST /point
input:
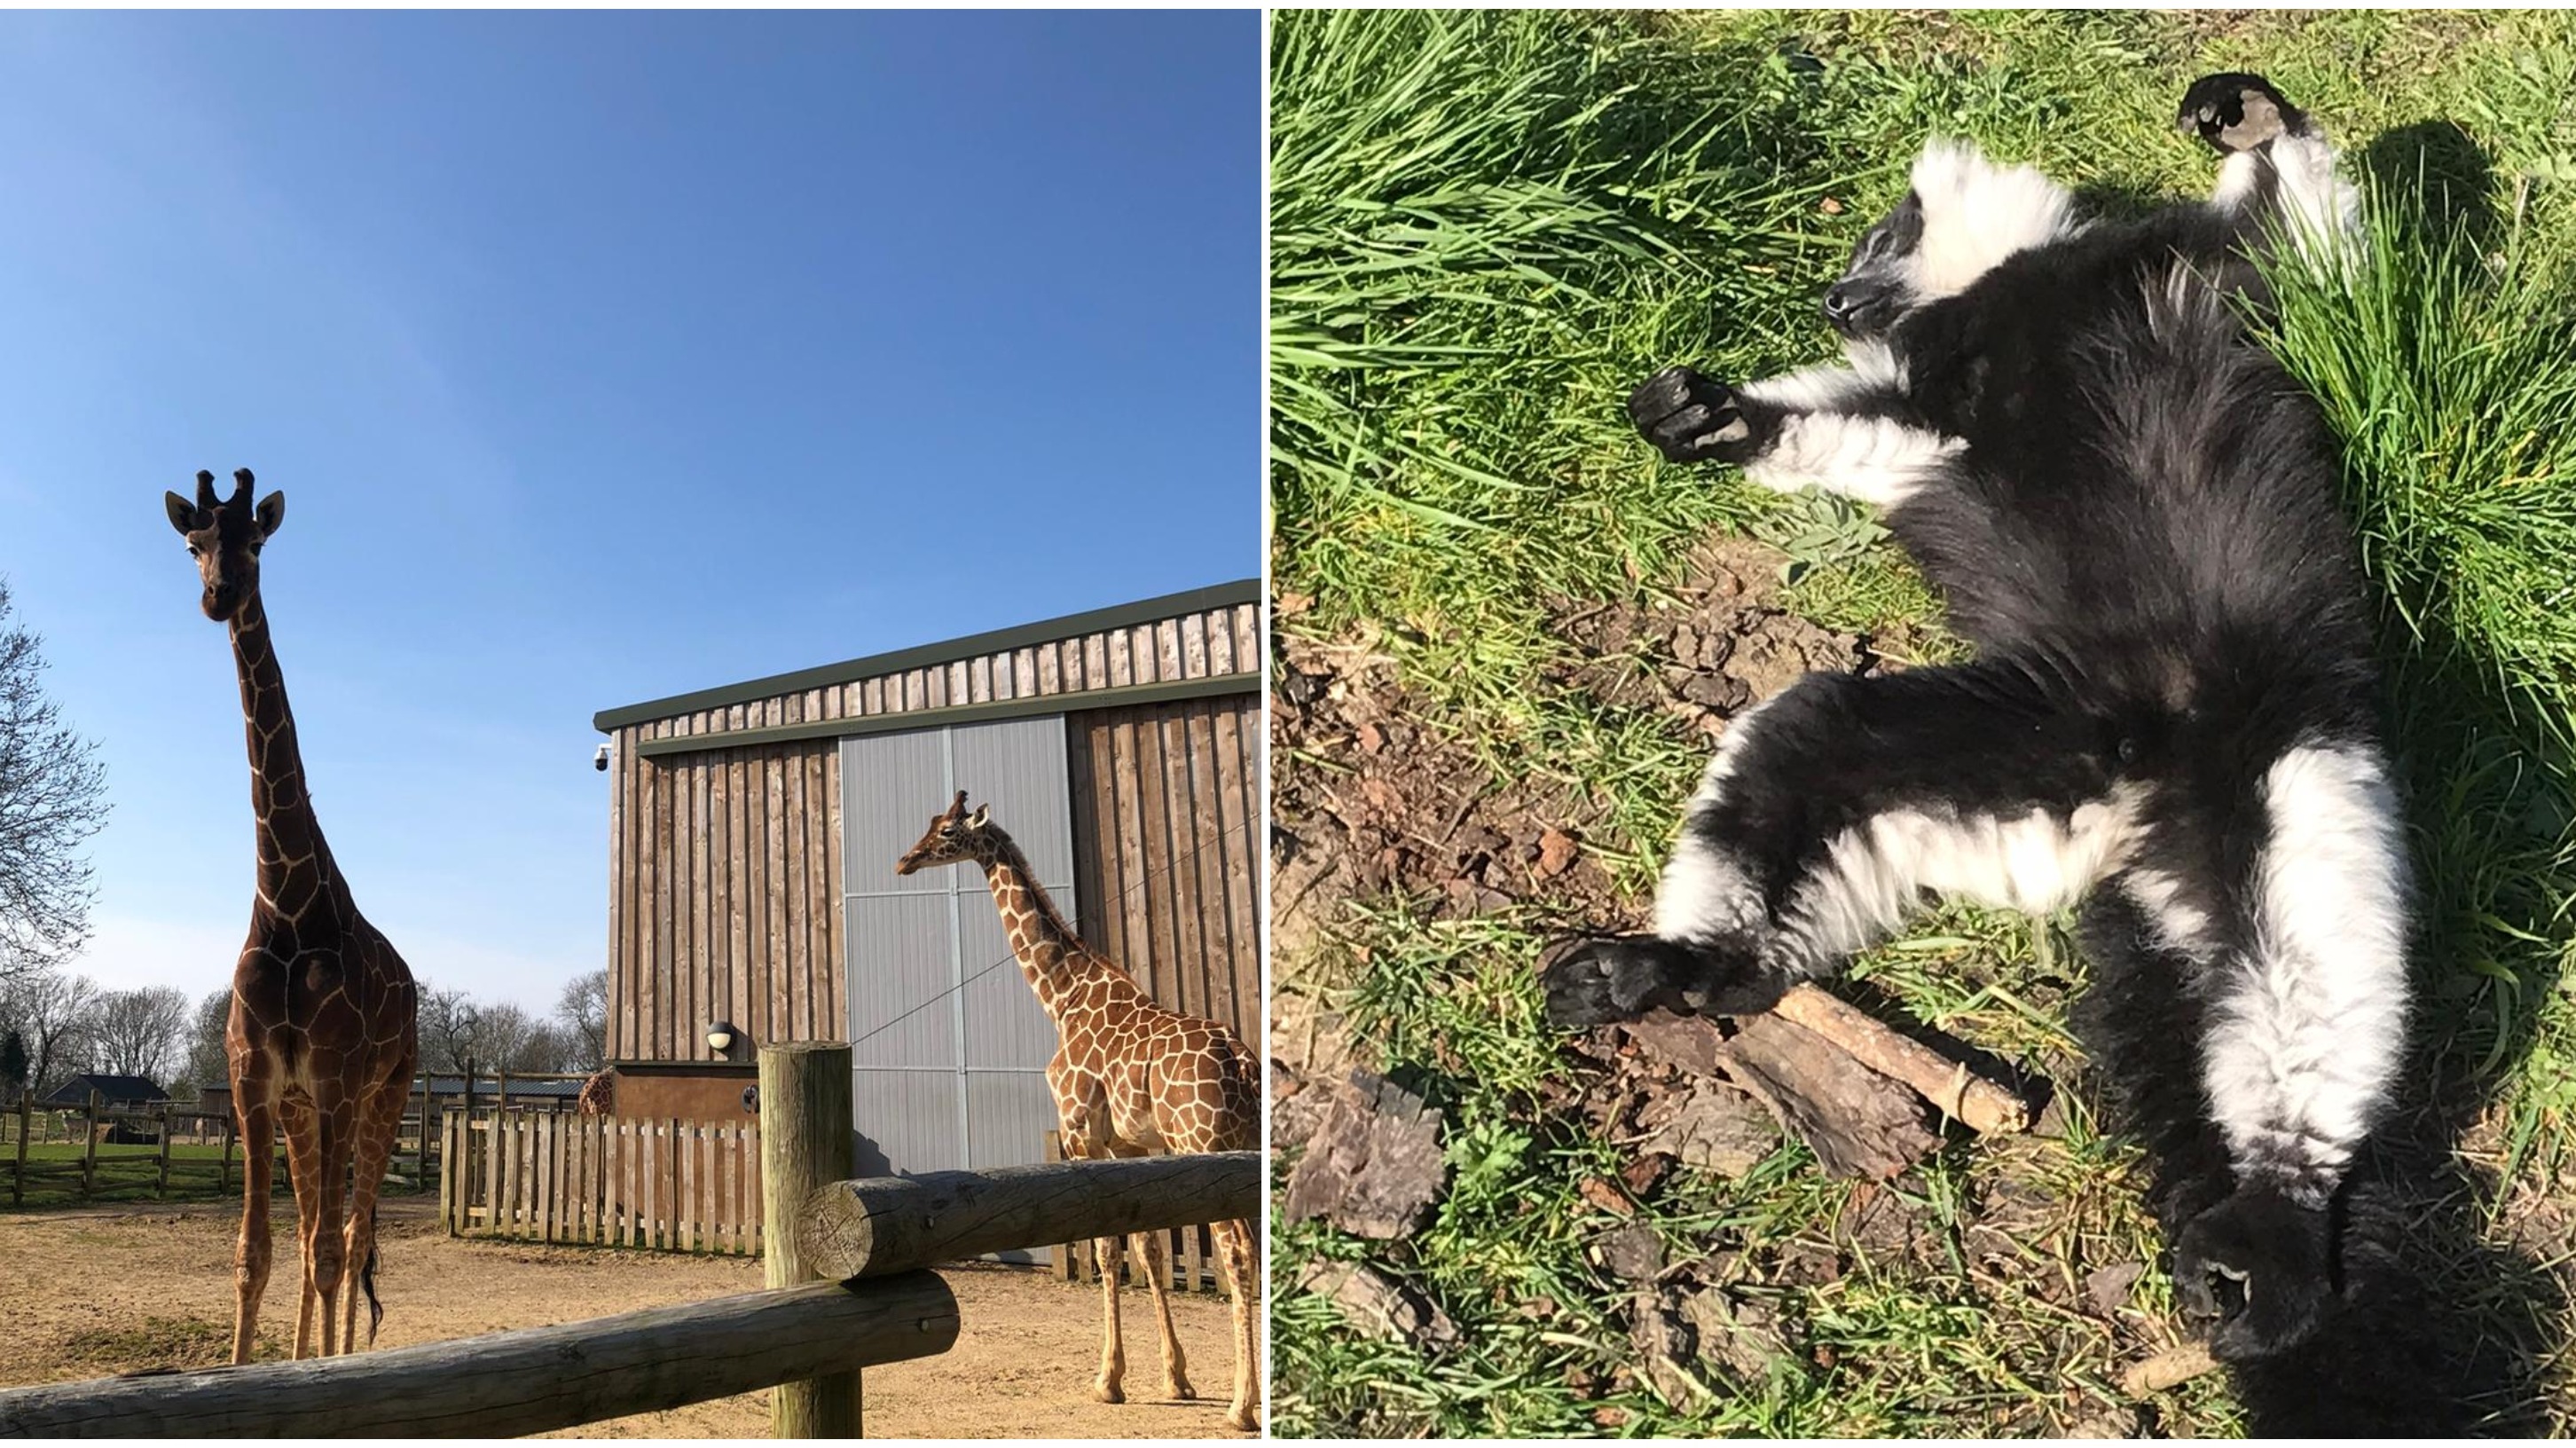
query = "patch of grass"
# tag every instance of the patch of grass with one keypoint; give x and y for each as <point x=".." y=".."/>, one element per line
<point x="1486" y="228"/>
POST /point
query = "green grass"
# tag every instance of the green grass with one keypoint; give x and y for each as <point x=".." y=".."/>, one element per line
<point x="1486" y="228"/>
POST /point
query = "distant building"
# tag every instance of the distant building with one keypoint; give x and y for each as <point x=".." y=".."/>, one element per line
<point x="753" y="831"/>
<point x="121" y="1092"/>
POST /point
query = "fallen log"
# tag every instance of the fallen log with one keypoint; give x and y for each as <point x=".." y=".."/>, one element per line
<point x="1960" y="1093"/>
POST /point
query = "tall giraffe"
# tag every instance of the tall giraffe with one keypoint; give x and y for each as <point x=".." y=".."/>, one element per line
<point x="1128" y="1076"/>
<point x="324" y="1022"/>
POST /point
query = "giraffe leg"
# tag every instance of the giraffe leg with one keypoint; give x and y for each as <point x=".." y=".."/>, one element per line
<point x="1234" y="1242"/>
<point x="1109" y="1254"/>
<point x="337" y="1114"/>
<point x="379" y="1123"/>
<point x="251" y="1254"/>
<point x="1154" y="1248"/>
<point x="304" y="1176"/>
<point x="1086" y="1138"/>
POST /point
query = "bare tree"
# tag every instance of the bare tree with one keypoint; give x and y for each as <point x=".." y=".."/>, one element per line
<point x="52" y="799"/>
<point x="507" y="1038"/>
<point x="582" y="1011"/>
<point x="209" y="1064"/>
<point x="139" y="1032"/>
<point x="448" y="1021"/>
<point x="51" y="1013"/>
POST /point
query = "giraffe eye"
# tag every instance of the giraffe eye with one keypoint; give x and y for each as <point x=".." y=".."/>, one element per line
<point x="195" y="552"/>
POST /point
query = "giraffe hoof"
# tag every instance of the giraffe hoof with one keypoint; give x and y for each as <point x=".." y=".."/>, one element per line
<point x="1242" y="1421"/>
<point x="1108" y="1392"/>
<point x="1182" y="1391"/>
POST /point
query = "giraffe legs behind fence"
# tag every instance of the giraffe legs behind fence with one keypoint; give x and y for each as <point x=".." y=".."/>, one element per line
<point x="1154" y="1250"/>
<point x="1234" y="1244"/>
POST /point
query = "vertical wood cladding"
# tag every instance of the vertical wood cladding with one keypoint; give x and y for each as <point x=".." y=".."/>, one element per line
<point x="1167" y="799"/>
<point x="725" y="863"/>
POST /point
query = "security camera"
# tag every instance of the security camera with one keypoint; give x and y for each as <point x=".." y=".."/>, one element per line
<point x="599" y="761"/>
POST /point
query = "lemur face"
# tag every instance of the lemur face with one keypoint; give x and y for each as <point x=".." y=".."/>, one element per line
<point x="1880" y="282"/>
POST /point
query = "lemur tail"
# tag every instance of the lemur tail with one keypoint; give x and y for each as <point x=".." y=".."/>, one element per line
<point x="367" y="1280"/>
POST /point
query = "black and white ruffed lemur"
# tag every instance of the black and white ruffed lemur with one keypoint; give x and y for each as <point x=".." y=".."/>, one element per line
<point x="2173" y="714"/>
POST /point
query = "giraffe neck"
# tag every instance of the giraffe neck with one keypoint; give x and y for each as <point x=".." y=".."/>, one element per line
<point x="295" y="867"/>
<point x="1052" y="956"/>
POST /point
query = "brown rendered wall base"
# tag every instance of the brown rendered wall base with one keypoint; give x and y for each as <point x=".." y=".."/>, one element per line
<point x="688" y="1090"/>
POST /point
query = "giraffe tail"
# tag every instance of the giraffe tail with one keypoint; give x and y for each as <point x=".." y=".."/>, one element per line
<point x="367" y="1281"/>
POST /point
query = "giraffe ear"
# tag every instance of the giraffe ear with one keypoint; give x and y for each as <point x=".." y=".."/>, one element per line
<point x="272" y="512"/>
<point x="183" y="514"/>
<point x="981" y="812"/>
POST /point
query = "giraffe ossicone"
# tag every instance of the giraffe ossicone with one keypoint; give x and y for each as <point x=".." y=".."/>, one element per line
<point x="324" y="1025"/>
<point x="1128" y="1077"/>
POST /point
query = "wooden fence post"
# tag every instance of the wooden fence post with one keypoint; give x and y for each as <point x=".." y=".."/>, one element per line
<point x="224" y="1163"/>
<point x="805" y="1141"/>
<point x="89" y="1145"/>
<point x="26" y="1123"/>
<point x="421" y="1172"/>
<point x="163" y="1192"/>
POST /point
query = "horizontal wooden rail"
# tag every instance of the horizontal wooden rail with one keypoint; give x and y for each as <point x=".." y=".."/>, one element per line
<point x="893" y="1224"/>
<point x="530" y="1380"/>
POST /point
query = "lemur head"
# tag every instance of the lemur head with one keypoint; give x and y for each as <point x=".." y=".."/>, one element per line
<point x="1962" y="216"/>
<point x="953" y="835"/>
<point x="224" y="536"/>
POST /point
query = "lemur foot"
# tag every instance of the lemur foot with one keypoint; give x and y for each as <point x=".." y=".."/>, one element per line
<point x="1690" y="418"/>
<point x="2237" y="111"/>
<point x="2254" y="1272"/>
<point x="1600" y="979"/>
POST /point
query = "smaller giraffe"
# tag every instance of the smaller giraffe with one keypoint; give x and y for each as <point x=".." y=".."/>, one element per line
<point x="1128" y="1077"/>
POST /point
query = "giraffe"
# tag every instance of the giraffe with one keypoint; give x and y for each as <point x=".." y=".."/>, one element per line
<point x="1128" y="1076"/>
<point x="324" y="1021"/>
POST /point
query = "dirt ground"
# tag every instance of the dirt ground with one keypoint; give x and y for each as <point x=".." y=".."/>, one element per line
<point x="90" y="1293"/>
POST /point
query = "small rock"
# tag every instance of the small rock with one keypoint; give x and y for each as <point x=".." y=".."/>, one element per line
<point x="1371" y="738"/>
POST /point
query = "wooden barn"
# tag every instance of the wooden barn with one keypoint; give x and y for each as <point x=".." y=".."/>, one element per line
<point x="753" y="831"/>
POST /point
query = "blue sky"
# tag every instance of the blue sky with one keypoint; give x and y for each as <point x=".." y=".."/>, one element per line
<point x="600" y="357"/>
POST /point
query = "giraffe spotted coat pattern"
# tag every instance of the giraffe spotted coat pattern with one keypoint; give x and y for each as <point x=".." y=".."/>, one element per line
<point x="1128" y="1077"/>
<point x="324" y="1023"/>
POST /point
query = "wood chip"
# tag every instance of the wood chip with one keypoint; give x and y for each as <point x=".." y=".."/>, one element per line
<point x="1556" y="852"/>
<point x="1605" y="1194"/>
<point x="2167" y="1369"/>
<point x="1718" y="1128"/>
<point x="1858" y="1122"/>
<point x="1373" y="1167"/>
<point x="2108" y="1288"/>
<point x="1379" y="1307"/>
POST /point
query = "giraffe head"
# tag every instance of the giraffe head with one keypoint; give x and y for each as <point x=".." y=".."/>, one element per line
<point x="224" y="536"/>
<point x="954" y="835"/>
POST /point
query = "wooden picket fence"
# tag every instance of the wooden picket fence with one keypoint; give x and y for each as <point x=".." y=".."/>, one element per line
<point x="685" y="1186"/>
<point x="1190" y="1251"/>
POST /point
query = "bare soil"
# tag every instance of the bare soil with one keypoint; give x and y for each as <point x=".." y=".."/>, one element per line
<point x="96" y="1292"/>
